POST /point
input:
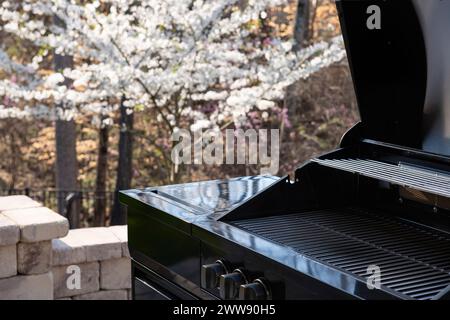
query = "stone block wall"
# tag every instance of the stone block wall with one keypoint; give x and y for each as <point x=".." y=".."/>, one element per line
<point x="41" y="259"/>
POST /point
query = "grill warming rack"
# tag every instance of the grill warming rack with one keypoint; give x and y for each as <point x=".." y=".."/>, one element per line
<point x="401" y="174"/>
<point x="414" y="260"/>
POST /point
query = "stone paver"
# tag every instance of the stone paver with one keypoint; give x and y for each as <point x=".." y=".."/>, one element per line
<point x="64" y="279"/>
<point x="38" y="224"/>
<point x="34" y="257"/>
<point x="17" y="202"/>
<point x="9" y="231"/>
<point x="69" y="250"/>
<point x="121" y="232"/>
<point x="115" y="274"/>
<point x="8" y="261"/>
<point x="100" y="243"/>
<point x="30" y="287"/>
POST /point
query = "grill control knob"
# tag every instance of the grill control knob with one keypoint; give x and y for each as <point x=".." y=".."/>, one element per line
<point x="210" y="274"/>
<point x="257" y="290"/>
<point x="230" y="283"/>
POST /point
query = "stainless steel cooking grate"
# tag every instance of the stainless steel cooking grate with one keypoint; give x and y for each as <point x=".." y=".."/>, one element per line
<point x="401" y="174"/>
<point x="414" y="261"/>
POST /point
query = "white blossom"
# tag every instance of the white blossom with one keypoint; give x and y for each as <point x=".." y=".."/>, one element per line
<point x="54" y="79"/>
<point x="172" y="57"/>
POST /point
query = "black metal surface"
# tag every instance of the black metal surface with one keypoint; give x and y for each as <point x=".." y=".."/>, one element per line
<point x="180" y="205"/>
<point x="149" y="285"/>
<point x="217" y="195"/>
<point x="189" y="201"/>
<point x="389" y="69"/>
<point x="401" y="71"/>
<point x="435" y="24"/>
<point x="414" y="261"/>
<point x="290" y="275"/>
<point x="160" y="226"/>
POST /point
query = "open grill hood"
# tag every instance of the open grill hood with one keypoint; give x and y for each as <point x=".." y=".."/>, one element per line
<point x="401" y="72"/>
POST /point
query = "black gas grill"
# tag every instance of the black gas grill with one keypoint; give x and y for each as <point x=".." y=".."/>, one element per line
<point x="381" y="201"/>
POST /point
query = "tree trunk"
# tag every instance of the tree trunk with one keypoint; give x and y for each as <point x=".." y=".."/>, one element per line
<point x="100" y="182"/>
<point x="302" y="35"/>
<point x="124" y="167"/>
<point x="302" y="21"/>
<point x="66" y="153"/>
<point x="67" y="169"/>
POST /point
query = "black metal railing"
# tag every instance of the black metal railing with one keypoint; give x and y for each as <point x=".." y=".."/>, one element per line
<point x="87" y="201"/>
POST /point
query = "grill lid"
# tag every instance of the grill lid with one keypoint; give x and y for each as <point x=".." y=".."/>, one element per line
<point x="401" y="72"/>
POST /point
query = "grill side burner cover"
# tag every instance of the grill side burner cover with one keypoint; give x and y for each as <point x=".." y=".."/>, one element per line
<point x="401" y="72"/>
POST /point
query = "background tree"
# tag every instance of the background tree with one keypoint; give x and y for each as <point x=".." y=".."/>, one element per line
<point x="124" y="166"/>
<point x="102" y="171"/>
<point x="180" y="64"/>
<point x="303" y="22"/>
<point x="66" y="168"/>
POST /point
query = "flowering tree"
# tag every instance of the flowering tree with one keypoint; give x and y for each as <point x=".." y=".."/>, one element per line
<point x="171" y="57"/>
<point x="189" y="63"/>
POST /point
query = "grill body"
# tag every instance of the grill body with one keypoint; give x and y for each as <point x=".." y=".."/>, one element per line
<point x="369" y="220"/>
